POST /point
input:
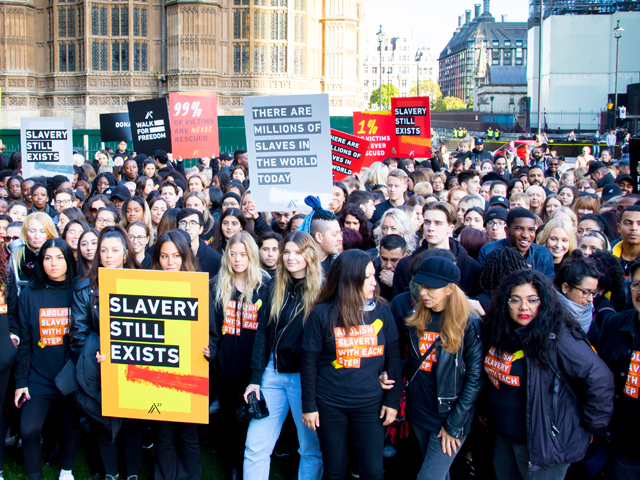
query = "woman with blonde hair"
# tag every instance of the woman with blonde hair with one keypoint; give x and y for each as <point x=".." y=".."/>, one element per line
<point x="397" y="222"/>
<point x="376" y="175"/>
<point x="444" y="365"/>
<point x="37" y="228"/>
<point x="239" y="292"/>
<point x="292" y="293"/>
<point x="565" y="213"/>
<point x="559" y="237"/>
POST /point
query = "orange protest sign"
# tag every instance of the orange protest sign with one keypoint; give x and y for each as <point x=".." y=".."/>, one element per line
<point x="194" y="124"/>
<point x="153" y="328"/>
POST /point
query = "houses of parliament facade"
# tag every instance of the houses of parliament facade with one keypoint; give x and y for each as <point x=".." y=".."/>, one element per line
<point x="81" y="58"/>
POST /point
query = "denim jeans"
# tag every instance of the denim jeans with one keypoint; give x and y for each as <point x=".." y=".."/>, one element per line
<point x="436" y="463"/>
<point x="511" y="462"/>
<point x="281" y="392"/>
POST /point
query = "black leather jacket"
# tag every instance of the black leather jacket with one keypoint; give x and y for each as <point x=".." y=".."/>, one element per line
<point x="459" y="376"/>
<point x="85" y="317"/>
<point x="285" y="343"/>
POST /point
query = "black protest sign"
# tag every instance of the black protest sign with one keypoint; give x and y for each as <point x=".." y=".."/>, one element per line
<point x="115" y="127"/>
<point x="634" y="162"/>
<point x="150" y="125"/>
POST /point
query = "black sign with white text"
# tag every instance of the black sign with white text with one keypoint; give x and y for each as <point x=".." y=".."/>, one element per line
<point x="150" y="125"/>
<point x="115" y="127"/>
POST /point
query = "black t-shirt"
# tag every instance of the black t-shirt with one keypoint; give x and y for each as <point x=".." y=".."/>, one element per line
<point x="628" y="406"/>
<point x="326" y="265"/>
<point x="508" y="391"/>
<point x="350" y="362"/>
<point x="422" y="392"/>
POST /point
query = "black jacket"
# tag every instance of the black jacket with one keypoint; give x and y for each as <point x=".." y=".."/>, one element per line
<point x="86" y="317"/>
<point x="558" y="427"/>
<point x="8" y="322"/>
<point x="469" y="269"/>
<point x="459" y="376"/>
<point x="283" y="336"/>
<point x="616" y="347"/>
<point x="606" y="180"/>
<point x="208" y="259"/>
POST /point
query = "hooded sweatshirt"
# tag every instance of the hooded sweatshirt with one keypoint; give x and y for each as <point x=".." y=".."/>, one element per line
<point x="236" y="324"/>
<point x="45" y="318"/>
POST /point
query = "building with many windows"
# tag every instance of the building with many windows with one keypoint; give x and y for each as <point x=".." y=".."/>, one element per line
<point x="476" y="45"/>
<point x="399" y="63"/>
<point x="80" y="58"/>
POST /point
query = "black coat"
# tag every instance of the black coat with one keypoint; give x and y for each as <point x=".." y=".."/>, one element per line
<point x="469" y="269"/>
<point x="286" y="343"/>
<point x="559" y="426"/>
<point x="208" y="259"/>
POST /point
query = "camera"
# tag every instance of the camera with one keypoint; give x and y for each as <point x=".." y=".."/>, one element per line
<point x="254" y="408"/>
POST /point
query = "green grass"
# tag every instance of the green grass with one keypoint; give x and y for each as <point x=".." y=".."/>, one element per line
<point x="212" y="468"/>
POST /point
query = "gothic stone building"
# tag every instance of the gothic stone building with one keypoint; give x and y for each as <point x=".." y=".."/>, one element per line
<point x="80" y="58"/>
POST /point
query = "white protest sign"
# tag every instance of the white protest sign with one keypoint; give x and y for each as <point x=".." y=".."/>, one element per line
<point x="289" y="146"/>
<point x="47" y="146"/>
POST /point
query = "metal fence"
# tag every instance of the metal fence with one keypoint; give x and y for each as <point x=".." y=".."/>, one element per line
<point x="579" y="120"/>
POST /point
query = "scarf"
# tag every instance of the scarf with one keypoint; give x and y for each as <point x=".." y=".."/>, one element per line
<point x="582" y="315"/>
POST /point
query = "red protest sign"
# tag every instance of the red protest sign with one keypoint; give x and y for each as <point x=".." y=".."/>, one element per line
<point x="377" y="128"/>
<point x="194" y="124"/>
<point x="412" y="126"/>
<point x="347" y="154"/>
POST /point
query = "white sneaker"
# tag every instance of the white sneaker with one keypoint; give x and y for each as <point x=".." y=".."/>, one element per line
<point x="65" y="475"/>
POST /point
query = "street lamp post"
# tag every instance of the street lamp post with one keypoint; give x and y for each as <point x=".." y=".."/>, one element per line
<point x="380" y="39"/>
<point x="418" y="58"/>
<point x="617" y="33"/>
<point x="493" y="120"/>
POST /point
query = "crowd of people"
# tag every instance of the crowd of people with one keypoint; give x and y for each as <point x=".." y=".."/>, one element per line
<point x="470" y="312"/>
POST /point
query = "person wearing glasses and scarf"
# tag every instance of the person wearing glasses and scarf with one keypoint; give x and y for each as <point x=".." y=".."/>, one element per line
<point x="548" y="391"/>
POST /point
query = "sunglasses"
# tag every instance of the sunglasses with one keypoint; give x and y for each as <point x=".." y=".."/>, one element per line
<point x="8" y="239"/>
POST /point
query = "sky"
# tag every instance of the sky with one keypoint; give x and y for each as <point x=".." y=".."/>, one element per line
<point x="432" y="21"/>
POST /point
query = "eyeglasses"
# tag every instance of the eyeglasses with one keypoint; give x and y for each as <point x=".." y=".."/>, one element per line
<point x="635" y="286"/>
<point x="8" y="239"/>
<point x="105" y="221"/>
<point x="191" y="224"/>
<point x="63" y="202"/>
<point x="496" y="224"/>
<point x="94" y="210"/>
<point x="138" y="238"/>
<point x="515" y="303"/>
<point x="554" y="164"/>
<point x="586" y="293"/>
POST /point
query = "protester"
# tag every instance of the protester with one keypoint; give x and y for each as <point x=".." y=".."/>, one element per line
<point x="43" y="353"/>
<point x="536" y="355"/>
<point x="349" y="402"/>
<point x="275" y="361"/>
<point x="72" y="233"/>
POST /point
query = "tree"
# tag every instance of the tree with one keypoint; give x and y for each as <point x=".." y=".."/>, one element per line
<point x="428" y="88"/>
<point x="448" y="104"/>
<point x="389" y="91"/>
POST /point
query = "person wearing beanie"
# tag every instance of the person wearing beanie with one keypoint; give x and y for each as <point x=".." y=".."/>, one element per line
<point x="521" y="233"/>
<point x="230" y="200"/>
<point x="495" y="222"/>
<point x="324" y="227"/>
<point x="444" y="364"/>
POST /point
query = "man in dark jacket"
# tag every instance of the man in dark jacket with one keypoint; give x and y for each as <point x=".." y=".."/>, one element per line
<point x="192" y="221"/>
<point x="619" y="347"/>
<point x="600" y="174"/>
<point x="521" y="232"/>
<point x="479" y="153"/>
<point x="439" y="222"/>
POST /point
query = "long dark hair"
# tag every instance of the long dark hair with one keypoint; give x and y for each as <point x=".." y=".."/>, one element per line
<point x="189" y="261"/>
<point x="540" y="337"/>
<point x="219" y="242"/>
<point x="112" y="231"/>
<point x="356" y="211"/>
<point x="83" y="267"/>
<point x="343" y="289"/>
<point x="39" y="279"/>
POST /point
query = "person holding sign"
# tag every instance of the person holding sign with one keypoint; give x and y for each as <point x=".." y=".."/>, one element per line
<point x="239" y="290"/>
<point x="114" y="250"/>
<point x="45" y="316"/>
<point x="349" y="338"/>
<point x="177" y="448"/>
<point x="293" y="291"/>
<point x="444" y="369"/>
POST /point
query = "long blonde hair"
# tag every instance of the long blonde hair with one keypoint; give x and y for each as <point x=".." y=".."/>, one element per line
<point x="453" y="321"/>
<point x="254" y="276"/>
<point x="49" y="228"/>
<point x="561" y="223"/>
<point x="376" y="174"/>
<point x="312" y="278"/>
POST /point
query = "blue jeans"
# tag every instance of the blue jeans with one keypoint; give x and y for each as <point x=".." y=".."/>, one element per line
<point x="281" y="392"/>
<point x="511" y="462"/>
<point x="436" y="463"/>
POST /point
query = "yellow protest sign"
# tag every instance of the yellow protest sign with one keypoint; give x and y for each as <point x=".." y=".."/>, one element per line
<point x="153" y="328"/>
